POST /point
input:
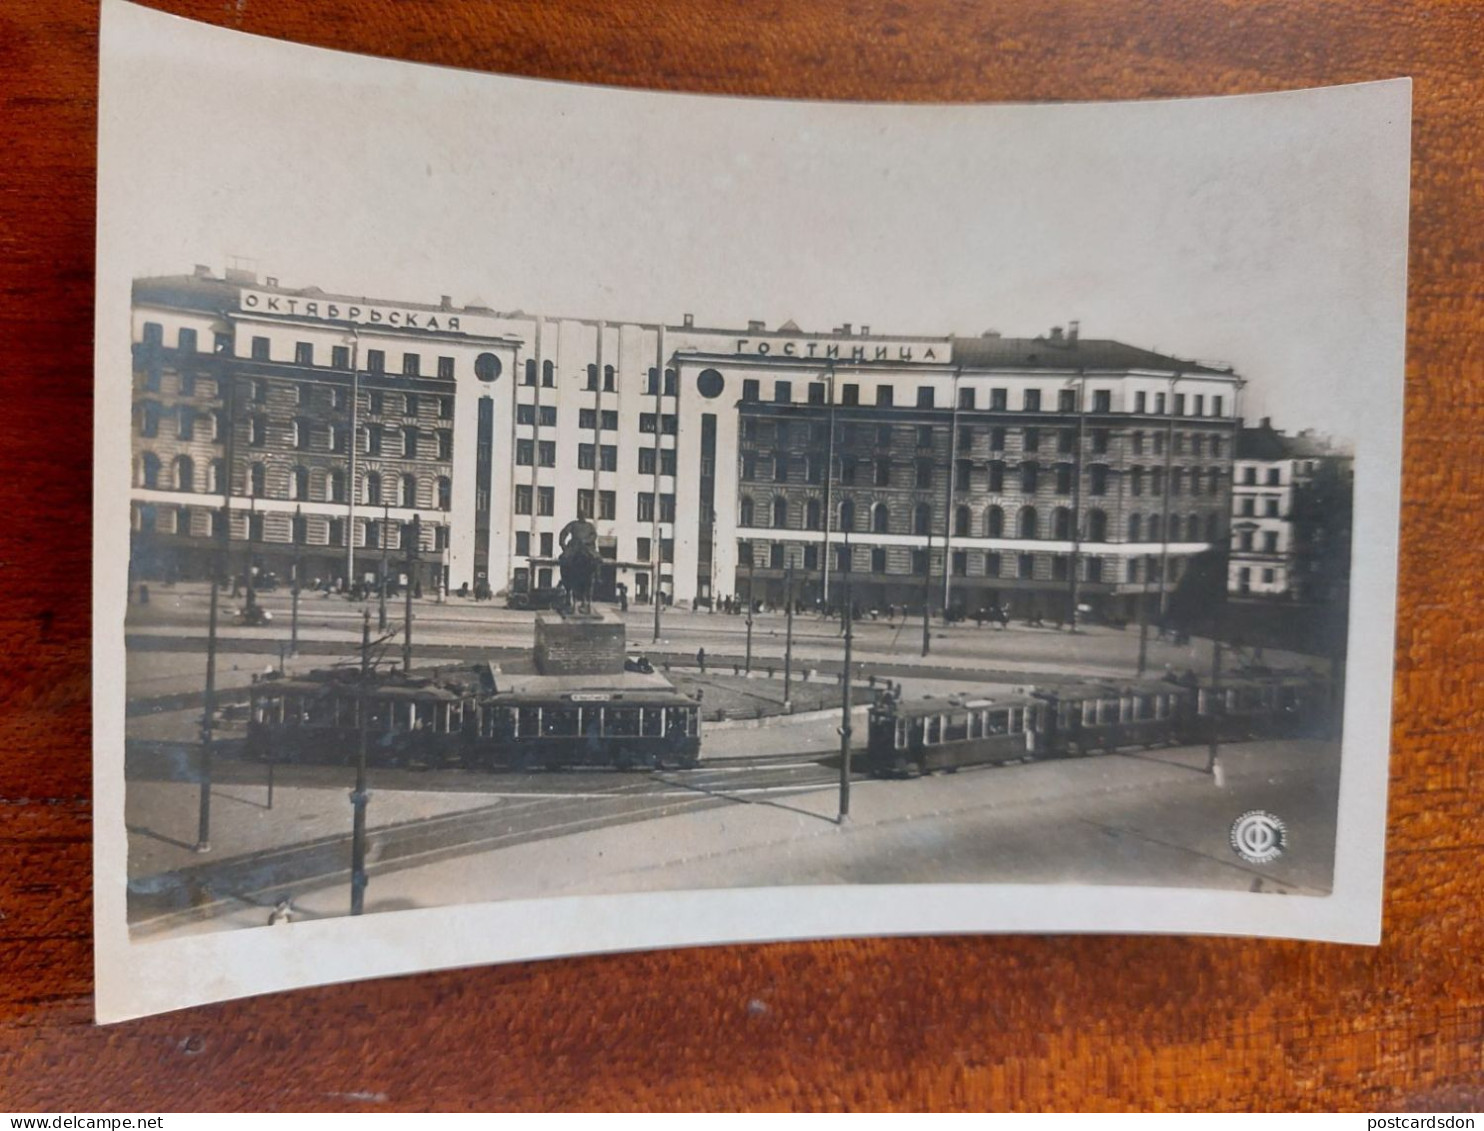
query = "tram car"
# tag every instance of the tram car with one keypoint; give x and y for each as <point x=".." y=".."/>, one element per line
<point x="1090" y="717"/>
<point x="475" y="718"/>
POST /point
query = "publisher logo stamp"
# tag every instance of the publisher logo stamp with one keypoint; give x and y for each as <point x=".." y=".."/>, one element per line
<point x="1258" y="836"/>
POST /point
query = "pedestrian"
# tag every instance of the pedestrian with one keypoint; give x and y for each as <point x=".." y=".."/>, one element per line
<point x="701" y="659"/>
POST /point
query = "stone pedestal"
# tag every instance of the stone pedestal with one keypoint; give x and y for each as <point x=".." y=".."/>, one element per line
<point x="580" y="644"/>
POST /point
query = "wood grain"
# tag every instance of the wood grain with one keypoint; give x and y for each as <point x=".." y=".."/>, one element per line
<point x="1023" y="1023"/>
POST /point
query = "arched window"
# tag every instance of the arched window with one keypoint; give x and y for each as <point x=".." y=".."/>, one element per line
<point x="1213" y="475"/>
<point x="301" y="482"/>
<point x="997" y="475"/>
<point x="1061" y="524"/>
<point x="1155" y="527"/>
<point x="922" y="518"/>
<point x="1177" y="480"/>
<point x="257" y="483"/>
<point x="373" y="489"/>
<point x="445" y="494"/>
<point x="880" y="519"/>
<point x="1097" y="479"/>
<point x="847" y="515"/>
<point x="1136" y="480"/>
<point x="1029" y="472"/>
<point x="409" y="442"/>
<point x="185" y="474"/>
<point x="1135" y="528"/>
<point x="746" y="517"/>
<point x="1195" y="480"/>
<point x="149" y="471"/>
<point x="1174" y="528"/>
<point x="963" y="522"/>
<point x="1028" y="523"/>
<point x="1193" y="528"/>
<point x="780" y="512"/>
<point x="257" y="431"/>
<point x="1097" y="526"/>
<point x="214" y="479"/>
<point x="812" y="513"/>
<point x="409" y="490"/>
<point x="994" y="523"/>
<point x="337" y="486"/>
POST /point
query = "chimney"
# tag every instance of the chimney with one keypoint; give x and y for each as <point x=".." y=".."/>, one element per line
<point x="203" y="271"/>
<point x="271" y="281"/>
<point x="1056" y="333"/>
<point x="688" y="320"/>
<point x="754" y="326"/>
<point x="1266" y="422"/>
<point x="445" y="302"/>
<point x="1072" y="329"/>
<point x="865" y="330"/>
<point x="845" y="329"/>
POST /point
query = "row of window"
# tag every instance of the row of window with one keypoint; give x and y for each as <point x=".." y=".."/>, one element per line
<point x="852" y="434"/>
<point x="305" y="530"/>
<point x="1028" y="522"/>
<point x="999" y="399"/>
<point x="261" y="349"/>
<point x="879" y="560"/>
<point x="777" y="469"/>
<point x="301" y="484"/>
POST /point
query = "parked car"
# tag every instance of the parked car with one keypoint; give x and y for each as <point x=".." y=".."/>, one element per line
<point x="548" y="597"/>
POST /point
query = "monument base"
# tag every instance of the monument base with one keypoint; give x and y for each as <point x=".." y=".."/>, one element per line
<point x="580" y="644"/>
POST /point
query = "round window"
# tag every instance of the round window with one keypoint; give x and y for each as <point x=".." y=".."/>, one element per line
<point x="487" y="367"/>
<point x="710" y="383"/>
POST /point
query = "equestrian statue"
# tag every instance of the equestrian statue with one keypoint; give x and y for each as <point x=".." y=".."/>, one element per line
<point x="579" y="563"/>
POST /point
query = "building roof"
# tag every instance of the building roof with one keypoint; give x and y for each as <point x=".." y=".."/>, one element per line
<point x="204" y="291"/>
<point x="1068" y="352"/>
<point x="1269" y="444"/>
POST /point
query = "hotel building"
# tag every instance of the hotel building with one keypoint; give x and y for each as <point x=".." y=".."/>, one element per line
<point x="1034" y="473"/>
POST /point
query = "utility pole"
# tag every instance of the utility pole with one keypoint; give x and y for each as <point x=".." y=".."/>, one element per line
<point x="750" y="566"/>
<point x="1144" y="613"/>
<point x="386" y="514"/>
<point x="927" y="592"/>
<point x="252" y="521"/>
<point x="298" y="581"/>
<point x="352" y="440"/>
<point x="948" y="512"/>
<point x="1213" y="752"/>
<point x="414" y="534"/>
<point x="788" y="639"/>
<point x="220" y="563"/>
<point x="359" y="797"/>
<point x="1073" y="574"/>
<point x="656" y="554"/>
<point x="829" y="496"/>
<point x="845" y="703"/>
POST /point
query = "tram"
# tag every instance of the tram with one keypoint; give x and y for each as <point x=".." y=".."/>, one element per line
<point x="1090" y="717"/>
<point x="474" y="718"/>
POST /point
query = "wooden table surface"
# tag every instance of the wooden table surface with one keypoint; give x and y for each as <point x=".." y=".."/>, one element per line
<point x="1019" y="1022"/>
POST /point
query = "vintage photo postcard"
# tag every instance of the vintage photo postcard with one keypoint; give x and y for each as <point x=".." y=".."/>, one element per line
<point x="535" y="519"/>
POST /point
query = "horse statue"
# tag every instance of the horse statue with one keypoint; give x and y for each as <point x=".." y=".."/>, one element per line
<point x="579" y="563"/>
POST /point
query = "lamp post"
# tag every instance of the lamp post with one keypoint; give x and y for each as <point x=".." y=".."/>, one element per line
<point x="252" y="522"/>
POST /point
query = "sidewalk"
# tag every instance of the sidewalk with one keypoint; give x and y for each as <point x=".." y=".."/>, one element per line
<point x="1154" y="818"/>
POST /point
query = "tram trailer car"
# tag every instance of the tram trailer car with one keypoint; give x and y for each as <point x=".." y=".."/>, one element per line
<point x="465" y="717"/>
<point x="1075" y="719"/>
<point x="638" y="721"/>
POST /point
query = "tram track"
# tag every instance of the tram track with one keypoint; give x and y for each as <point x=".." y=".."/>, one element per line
<point x="172" y="899"/>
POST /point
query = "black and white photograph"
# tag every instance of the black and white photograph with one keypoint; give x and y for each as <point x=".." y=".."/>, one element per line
<point x="535" y="519"/>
